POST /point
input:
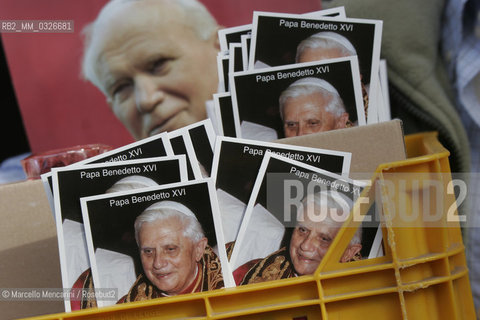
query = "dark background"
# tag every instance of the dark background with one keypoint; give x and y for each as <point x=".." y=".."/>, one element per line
<point x="227" y="117"/>
<point x="12" y="128"/>
<point x="202" y="147"/>
<point x="178" y="146"/>
<point x="238" y="59"/>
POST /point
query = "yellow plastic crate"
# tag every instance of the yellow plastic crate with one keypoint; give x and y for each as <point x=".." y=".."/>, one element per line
<point x="422" y="275"/>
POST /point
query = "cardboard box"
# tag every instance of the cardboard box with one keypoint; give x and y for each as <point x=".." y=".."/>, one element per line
<point x="370" y="145"/>
<point x="28" y="248"/>
<point x="28" y="245"/>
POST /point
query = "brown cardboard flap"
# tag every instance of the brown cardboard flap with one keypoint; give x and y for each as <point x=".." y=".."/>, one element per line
<point x="28" y="247"/>
<point x="26" y="214"/>
<point x="370" y="145"/>
<point x="35" y="265"/>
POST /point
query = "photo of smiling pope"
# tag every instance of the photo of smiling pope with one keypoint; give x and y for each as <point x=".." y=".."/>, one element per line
<point x="170" y="235"/>
<point x="291" y="220"/>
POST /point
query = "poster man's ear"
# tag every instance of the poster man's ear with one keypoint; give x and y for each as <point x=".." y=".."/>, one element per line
<point x="215" y="39"/>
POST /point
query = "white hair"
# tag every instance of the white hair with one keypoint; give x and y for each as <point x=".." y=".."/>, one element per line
<point x="130" y="183"/>
<point x="332" y="200"/>
<point x="327" y="40"/>
<point x="162" y="210"/>
<point x="310" y="85"/>
<point x="196" y="16"/>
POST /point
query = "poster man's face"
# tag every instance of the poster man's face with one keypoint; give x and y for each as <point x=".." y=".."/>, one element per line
<point x="306" y="114"/>
<point x="309" y="243"/>
<point x="169" y="258"/>
<point x="156" y="72"/>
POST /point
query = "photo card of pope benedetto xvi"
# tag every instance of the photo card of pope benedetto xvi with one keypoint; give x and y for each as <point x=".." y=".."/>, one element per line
<point x="288" y="224"/>
<point x="171" y="235"/>
<point x="279" y="39"/>
<point x="154" y="146"/>
<point x="236" y="165"/>
<point x="234" y="34"/>
<point x="256" y="94"/>
<point x="72" y="183"/>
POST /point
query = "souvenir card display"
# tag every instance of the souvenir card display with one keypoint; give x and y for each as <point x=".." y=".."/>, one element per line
<point x="223" y="202"/>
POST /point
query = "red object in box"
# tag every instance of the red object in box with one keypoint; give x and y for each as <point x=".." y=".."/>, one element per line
<point x="38" y="164"/>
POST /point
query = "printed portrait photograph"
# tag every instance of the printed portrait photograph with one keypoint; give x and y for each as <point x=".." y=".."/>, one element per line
<point x="299" y="99"/>
<point x="287" y="231"/>
<point x="279" y="39"/>
<point x="236" y="166"/>
<point x="71" y="184"/>
<point x="166" y="240"/>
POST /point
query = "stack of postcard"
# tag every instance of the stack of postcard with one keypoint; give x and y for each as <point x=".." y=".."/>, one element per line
<point x="264" y="64"/>
<point x="219" y="203"/>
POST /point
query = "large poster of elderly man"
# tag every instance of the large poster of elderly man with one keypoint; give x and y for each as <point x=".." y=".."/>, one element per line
<point x="170" y="233"/>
